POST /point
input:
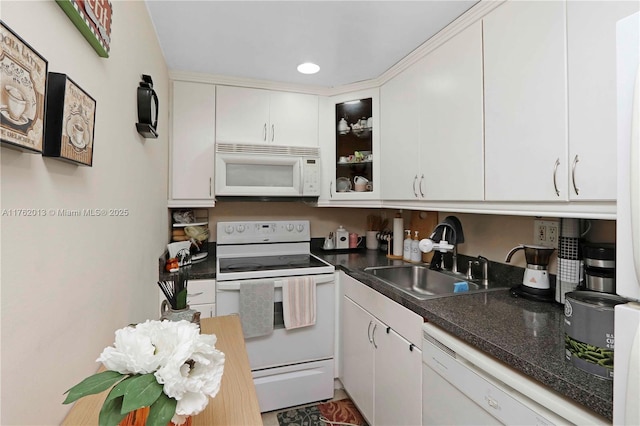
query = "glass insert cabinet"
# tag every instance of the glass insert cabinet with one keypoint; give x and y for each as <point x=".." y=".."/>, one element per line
<point x="354" y="149"/>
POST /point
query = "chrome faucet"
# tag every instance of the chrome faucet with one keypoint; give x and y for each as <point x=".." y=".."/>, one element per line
<point x="454" y="251"/>
<point x="444" y="245"/>
<point x="480" y="260"/>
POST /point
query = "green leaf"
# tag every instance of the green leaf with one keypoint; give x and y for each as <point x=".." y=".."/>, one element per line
<point x="141" y="392"/>
<point x="120" y="389"/>
<point x="181" y="299"/>
<point x="162" y="411"/>
<point x="110" y="413"/>
<point x="93" y="384"/>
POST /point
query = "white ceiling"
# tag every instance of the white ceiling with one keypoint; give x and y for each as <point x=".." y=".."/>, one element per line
<point x="266" y="40"/>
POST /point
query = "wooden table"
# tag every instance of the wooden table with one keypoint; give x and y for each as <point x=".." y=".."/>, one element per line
<point x="235" y="404"/>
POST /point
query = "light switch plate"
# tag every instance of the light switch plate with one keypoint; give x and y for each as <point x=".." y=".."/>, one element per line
<point x="546" y="233"/>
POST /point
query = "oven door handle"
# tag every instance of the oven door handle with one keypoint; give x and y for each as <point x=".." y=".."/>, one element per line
<point x="235" y="285"/>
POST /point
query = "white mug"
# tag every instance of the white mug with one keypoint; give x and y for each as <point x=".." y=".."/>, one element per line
<point x="372" y="241"/>
<point x="360" y="183"/>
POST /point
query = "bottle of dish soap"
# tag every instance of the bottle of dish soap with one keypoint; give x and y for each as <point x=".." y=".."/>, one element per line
<point x="416" y="254"/>
<point x="406" y="253"/>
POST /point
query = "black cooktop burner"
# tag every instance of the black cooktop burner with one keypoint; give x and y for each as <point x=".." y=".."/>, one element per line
<point x="259" y="263"/>
<point x="241" y="267"/>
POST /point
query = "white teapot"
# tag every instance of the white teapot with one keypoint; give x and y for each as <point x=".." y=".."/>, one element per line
<point x="343" y="127"/>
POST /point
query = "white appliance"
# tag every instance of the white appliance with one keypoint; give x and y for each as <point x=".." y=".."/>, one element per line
<point x="626" y="362"/>
<point x="289" y="367"/>
<point x="463" y="386"/>
<point x="267" y="171"/>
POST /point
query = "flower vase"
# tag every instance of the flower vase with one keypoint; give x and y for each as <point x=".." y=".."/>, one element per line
<point x="187" y="314"/>
<point x="139" y="418"/>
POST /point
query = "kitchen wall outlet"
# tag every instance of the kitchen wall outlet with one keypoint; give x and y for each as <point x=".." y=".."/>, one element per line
<point x="546" y="233"/>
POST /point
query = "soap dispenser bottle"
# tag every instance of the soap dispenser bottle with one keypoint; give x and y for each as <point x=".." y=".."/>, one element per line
<point x="416" y="254"/>
<point x="406" y="253"/>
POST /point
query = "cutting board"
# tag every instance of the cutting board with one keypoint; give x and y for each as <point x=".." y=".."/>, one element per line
<point x="424" y="222"/>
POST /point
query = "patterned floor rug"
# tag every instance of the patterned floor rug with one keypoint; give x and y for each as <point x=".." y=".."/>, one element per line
<point x="324" y="414"/>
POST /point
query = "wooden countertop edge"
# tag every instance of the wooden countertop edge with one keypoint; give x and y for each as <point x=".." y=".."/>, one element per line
<point x="235" y="404"/>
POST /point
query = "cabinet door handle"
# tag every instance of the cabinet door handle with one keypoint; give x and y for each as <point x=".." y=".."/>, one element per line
<point x="373" y="336"/>
<point x="264" y="132"/>
<point x="576" y="160"/>
<point x="195" y="294"/>
<point x="273" y="132"/>
<point x="369" y="332"/>
<point x="415" y="179"/>
<point x="330" y="189"/>
<point x="555" y="173"/>
<point x="420" y="186"/>
<point x="209" y="187"/>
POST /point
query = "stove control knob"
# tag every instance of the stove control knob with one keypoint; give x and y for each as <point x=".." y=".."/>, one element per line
<point x="240" y="228"/>
<point x="228" y="229"/>
<point x="300" y="227"/>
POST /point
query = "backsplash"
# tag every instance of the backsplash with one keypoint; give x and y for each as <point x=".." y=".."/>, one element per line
<point x="491" y="236"/>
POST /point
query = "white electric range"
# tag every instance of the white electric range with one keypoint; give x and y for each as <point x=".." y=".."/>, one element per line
<point x="289" y="367"/>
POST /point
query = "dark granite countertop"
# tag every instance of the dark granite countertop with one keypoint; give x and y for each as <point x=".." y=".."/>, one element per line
<point x="526" y="335"/>
<point x="204" y="269"/>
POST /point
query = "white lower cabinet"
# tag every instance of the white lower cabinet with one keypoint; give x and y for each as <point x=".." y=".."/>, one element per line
<point x="201" y="296"/>
<point x="381" y="369"/>
<point x="357" y="356"/>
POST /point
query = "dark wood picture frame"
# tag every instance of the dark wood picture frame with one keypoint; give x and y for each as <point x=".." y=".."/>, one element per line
<point x="71" y="115"/>
<point x="23" y="73"/>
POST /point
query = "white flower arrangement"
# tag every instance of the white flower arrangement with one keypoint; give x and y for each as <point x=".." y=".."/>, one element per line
<point x="165" y="365"/>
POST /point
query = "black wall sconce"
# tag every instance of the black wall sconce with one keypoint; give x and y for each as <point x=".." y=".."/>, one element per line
<point x="147" y="109"/>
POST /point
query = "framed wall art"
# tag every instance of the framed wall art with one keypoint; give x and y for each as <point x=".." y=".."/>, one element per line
<point x="70" y="122"/>
<point x="23" y="73"/>
<point x="93" y="20"/>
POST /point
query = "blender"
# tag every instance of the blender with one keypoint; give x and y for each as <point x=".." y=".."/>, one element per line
<point x="535" y="282"/>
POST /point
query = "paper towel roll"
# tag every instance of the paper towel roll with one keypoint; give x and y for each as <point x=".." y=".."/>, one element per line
<point x="398" y="232"/>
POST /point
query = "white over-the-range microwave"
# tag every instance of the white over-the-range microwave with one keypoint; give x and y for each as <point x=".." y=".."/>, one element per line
<point x="244" y="170"/>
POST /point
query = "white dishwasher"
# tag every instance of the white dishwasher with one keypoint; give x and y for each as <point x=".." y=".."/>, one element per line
<point x="463" y="386"/>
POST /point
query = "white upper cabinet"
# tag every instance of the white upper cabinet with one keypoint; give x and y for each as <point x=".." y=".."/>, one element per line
<point x="350" y="147"/>
<point x="192" y="144"/>
<point x="294" y="119"/>
<point x="451" y="121"/>
<point x="591" y="38"/>
<point x="526" y="102"/>
<point x="257" y="116"/>
<point x="432" y="128"/>
<point x="400" y="135"/>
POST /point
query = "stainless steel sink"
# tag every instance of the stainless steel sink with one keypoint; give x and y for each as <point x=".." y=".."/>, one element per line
<point x="423" y="283"/>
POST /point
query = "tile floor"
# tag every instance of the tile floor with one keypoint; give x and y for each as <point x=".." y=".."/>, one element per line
<point x="270" y="418"/>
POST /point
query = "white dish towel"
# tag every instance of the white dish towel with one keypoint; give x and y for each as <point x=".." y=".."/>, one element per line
<point x="256" y="308"/>
<point x="299" y="302"/>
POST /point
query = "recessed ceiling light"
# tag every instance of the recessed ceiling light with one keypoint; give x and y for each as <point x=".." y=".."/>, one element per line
<point x="308" y="68"/>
